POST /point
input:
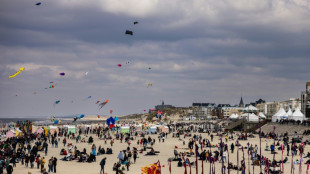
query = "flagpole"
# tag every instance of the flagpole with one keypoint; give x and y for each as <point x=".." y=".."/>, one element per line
<point x="196" y="152"/>
<point x="249" y="158"/>
<point x="260" y="148"/>
<point x="228" y="168"/>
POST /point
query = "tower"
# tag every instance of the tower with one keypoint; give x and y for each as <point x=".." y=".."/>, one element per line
<point x="241" y="103"/>
<point x="305" y="101"/>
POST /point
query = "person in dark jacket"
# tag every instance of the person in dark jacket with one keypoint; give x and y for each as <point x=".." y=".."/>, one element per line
<point x="32" y="158"/>
<point x="9" y="170"/>
<point x="54" y="164"/>
<point x="102" y="164"/>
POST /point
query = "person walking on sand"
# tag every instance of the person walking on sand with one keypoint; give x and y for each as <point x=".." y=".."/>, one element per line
<point x="102" y="164"/>
<point x="54" y="164"/>
<point x="50" y="165"/>
<point x="64" y="141"/>
<point x="120" y="157"/>
<point x="42" y="163"/>
<point x="135" y="153"/>
<point x="37" y="161"/>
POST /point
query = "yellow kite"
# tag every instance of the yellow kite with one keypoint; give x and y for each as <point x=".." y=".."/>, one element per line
<point x="20" y="70"/>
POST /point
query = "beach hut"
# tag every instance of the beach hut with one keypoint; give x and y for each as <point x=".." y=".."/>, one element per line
<point x="71" y="128"/>
<point x="39" y="130"/>
<point x="164" y="129"/>
<point x="34" y="129"/>
<point x="53" y="129"/>
<point x="138" y="127"/>
<point x="125" y="129"/>
<point x="10" y="134"/>
<point x="152" y="130"/>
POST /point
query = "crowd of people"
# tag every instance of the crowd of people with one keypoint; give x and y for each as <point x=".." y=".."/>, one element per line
<point x="30" y="150"/>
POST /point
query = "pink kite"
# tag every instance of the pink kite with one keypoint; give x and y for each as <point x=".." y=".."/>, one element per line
<point x="119" y="65"/>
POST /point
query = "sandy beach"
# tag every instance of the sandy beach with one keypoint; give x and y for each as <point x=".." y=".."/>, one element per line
<point x="166" y="151"/>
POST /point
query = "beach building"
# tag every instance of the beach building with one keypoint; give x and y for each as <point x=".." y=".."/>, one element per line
<point x="305" y="101"/>
<point x="228" y="111"/>
<point x="292" y="103"/>
<point x="162" y="106"/>
<point x="203" y="109"/>
<point x="269" y="109"/>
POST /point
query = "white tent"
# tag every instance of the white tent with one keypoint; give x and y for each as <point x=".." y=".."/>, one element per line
<point x="289" y="113"/>
<point x="284" y="116"/>
<point x="233" y="116"/>
<point x="297" y="115"/>
<point x="253" y="118"/>
<point x="278" y="115"/>
<point x="262" y="115"/>
<point x="250" y="108"/>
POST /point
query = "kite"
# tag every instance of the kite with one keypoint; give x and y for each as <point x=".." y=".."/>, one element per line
<point x="89" y="97"/>
<point x="111" y="122"/>
<point x="20" y="70"/>
<point x="144" y="110"/>
<point x="127" y="62"/>
<point x="150" y="68"/>
<point x="151" y="168"/>
<point x="39" y="3"/>
<point x="53" y="118"/>
<point x="111" y="111"/>
<point x="57" y="121"/>
<point x="158" y="115"/>
<point x="58" y="101"/>
<point x="98" y="116"/>
<point x="129" y="32"/>
<point x="150" y="84"/>
<point x="136" y="22"/>
<point x="103" y="103"/>
<point x="34" y="93"/>
<point x="51" y="82"/>
<point x="81" y="116"/>
<point x="97" y="102"/>
<point x="51" y="86"/>
<point x="119" y="65"/>
<point x="62" y="74"/>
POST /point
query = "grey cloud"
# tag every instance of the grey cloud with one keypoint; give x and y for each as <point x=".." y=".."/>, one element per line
<point x="207" y="51"/>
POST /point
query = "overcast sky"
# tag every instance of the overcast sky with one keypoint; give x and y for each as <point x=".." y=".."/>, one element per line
<point x="198" y="51"/>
